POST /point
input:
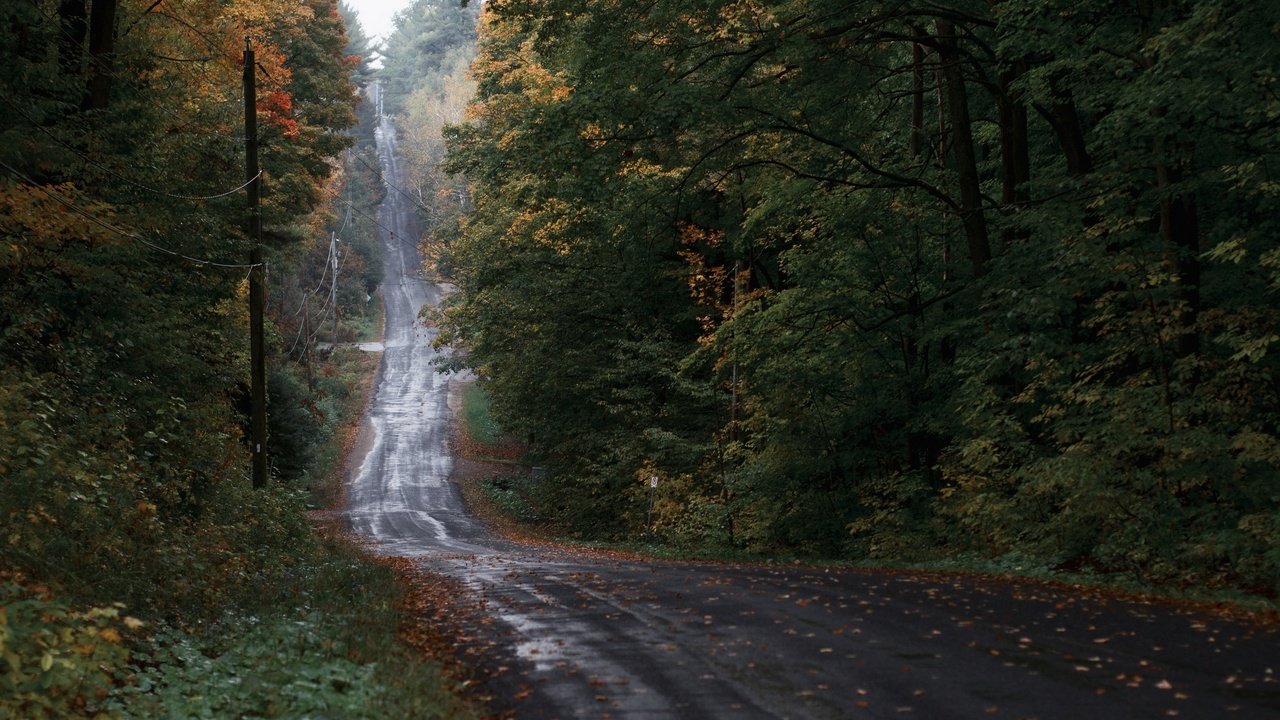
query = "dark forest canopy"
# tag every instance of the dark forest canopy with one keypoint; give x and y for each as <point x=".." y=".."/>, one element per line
<point x="887" y="279"/>
<point x="123" y="265"/>
<point x="140" y="574"/>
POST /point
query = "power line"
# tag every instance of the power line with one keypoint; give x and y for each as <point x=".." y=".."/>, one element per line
<point x="124" y="233"/>
<point x="395" y="187"/>
<point x="305" y="296"/>
<point x="379" y="224"/>
<point x="115" y="174"/>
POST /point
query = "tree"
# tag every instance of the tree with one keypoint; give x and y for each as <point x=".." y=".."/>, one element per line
<point x="123" y="271"/>
<point x="885" y="279"/>
<point x="432" y="39"/>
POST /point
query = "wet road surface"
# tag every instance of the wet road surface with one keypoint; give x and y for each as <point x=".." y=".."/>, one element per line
<point x="576" y="636"/>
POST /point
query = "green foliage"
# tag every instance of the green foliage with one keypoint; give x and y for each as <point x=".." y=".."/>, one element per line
<point x="432" y="40"/>
<point x="885" y="281"/>
<point x="318" y="637"/>
<point x="475" y="413"/>
<point x="274" y="668"/>
<point x="57" y="662"/>
<point x="297" y="426"/>
<point x="517" y="494"/>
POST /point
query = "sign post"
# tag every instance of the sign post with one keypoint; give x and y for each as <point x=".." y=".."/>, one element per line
<point x="653" y="488"/>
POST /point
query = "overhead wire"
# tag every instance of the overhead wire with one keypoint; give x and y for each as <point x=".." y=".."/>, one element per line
<point x="117" y="175"/>
<point x="342" y="262"/>
<point x="306" y="296"/>
<point x="298" y="336"/>
<point x="395" y="187"/>
<point x="325" y="307"/>
<point x="375" y="221"/>
<point x="56" y="197"/>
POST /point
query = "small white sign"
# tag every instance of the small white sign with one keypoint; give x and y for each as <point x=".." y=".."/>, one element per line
<point x="653" y="481"/>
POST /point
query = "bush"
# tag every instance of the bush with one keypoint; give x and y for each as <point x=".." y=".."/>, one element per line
<point x="56" y="662"/>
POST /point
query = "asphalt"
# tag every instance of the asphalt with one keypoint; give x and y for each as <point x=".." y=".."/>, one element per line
<point x="577" y="635"/>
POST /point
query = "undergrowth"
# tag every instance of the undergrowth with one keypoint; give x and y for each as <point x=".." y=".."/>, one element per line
<point x="252" y="610"/>
<point x="517" y="498"/>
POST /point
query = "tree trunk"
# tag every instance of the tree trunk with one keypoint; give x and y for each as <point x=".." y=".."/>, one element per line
<point x="1065" y="121"/>
<point x="71" y="19"/>
<point x="975" y="224"/>
<point x="102" y="45"/>
<point x="916" y="146"/>
<point x="1179" y="219"/>
<point x="1180" y="229"/>
<point x="1015" y="159"/>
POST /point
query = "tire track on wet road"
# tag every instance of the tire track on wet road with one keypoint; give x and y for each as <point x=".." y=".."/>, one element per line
<point x="576" y="636"/>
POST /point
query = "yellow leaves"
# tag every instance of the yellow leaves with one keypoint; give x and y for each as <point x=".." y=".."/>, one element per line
<point x="641" y="167"/>
<point x="216" y="33"/>
<point x="32" y="218"/>
<point x="593" y="133"/>
<point x="254" y="17"/>
<point x="508" y="140"/>
<point x="537" y="85"/>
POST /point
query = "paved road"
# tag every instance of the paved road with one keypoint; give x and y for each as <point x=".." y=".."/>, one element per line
<point x="577" y="637"/>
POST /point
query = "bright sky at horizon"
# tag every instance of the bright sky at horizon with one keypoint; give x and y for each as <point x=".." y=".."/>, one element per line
<point x="376" y="15"/>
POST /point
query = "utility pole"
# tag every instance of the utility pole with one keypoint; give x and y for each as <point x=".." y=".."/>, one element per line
<point x="306" y="341"/>
<point x="257" y="342"/>
<point x="733" y="402"/>
<point x="333" y="285"/>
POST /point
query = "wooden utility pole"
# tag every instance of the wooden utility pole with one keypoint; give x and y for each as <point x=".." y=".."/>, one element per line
<point x="306" y="341"/>
<point x="333" y="285"/>
<point x="257" y="344"/>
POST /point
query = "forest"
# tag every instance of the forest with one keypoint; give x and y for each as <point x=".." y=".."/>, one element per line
<point x="886" y="281"/>
<point x="141" y="572"/>
<point x="970" y="284"/>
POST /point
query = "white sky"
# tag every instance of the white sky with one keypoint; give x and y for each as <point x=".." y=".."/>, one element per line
<point x="375" y="15"/>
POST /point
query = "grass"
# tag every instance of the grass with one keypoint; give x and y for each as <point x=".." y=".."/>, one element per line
<point x="320" y="635"/>
<point x="333" y="651"/>
<point x="480" y="425"/>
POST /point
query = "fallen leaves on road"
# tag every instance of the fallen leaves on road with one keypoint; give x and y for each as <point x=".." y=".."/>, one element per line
<point x="445" y="622"/>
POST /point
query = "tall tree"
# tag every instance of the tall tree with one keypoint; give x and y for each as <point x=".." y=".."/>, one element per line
<point x="726" y="242"/>
<point x="122" y="269"/>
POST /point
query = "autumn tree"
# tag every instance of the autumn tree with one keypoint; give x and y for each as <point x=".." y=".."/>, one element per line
<point x="885" y="280"/>
<point x="123" y="278"/>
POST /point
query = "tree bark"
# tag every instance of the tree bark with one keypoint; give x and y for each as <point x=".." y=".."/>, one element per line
<point x="1065" y="121"/>
<point x="1180" y="230"/>
<point x="1015" y="158"/>
<point x="916" y="146"/>
<point x="71" y="19"/>
<point x="975" y="224"/>
<point x="1179" y="218"/>
<point x="102" y="45"/>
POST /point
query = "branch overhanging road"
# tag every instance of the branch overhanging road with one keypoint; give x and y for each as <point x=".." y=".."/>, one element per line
<point x="579" y="636"/>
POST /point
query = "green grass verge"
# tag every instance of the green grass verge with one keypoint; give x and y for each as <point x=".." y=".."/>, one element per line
<point x="475" y="415"/>
<point x="317" y="636"/>
<point x="330" y="652"/>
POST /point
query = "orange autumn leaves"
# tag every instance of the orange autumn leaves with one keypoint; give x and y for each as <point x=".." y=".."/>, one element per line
<point x="215" y="35"/>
